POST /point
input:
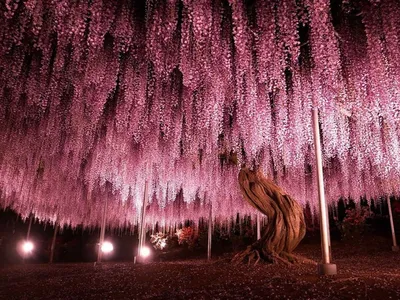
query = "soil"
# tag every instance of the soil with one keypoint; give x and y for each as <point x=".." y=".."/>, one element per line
<point x="365" y="271"/>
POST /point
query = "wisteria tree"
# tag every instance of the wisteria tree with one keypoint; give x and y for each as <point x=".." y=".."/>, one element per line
<point x="99" y="96"/>
<point x="286" y="226"/>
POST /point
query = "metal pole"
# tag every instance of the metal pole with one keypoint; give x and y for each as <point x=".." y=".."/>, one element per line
<point x="258" y="226"/>
<point x="326" y="268"/>
<point x="29" y="227"/>
<point x="394" y="247"/>
<point x="102" y="232"/>
<point x="53" y="243"/>
<point x="142" y="234"/>
<point x="209" y="234"/>
<point x="28" y="233"/>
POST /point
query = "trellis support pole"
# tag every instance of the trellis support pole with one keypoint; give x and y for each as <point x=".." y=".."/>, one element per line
<point x="326" y="267"/>
<point x="53" y="243"/>
<point x="209" y="234"/>
<point x="102" y="232"/>
<point x="394" y="247"/>
<point x="142" y="233"/>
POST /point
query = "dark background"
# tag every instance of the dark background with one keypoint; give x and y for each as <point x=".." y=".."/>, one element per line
<point x="80" y="244"/>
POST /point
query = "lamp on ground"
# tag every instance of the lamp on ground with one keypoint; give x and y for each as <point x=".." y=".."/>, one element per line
<point x="145" y="252"/>
<point x="27" y="247"/>
<point x="107" y="247"/>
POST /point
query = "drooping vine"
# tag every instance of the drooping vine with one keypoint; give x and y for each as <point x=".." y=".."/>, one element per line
<point x="102" y="95"/>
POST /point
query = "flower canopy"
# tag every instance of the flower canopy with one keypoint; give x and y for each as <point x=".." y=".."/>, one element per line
<point x="99" y="96"/>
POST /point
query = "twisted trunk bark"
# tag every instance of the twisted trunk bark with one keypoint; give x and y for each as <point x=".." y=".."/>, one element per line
<point x="286" y="226"/>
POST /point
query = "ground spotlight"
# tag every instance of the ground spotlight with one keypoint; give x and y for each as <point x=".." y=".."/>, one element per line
<point x="107" y="247"/>
<point x="145" y="252"/>
<point x="27" y="247"/>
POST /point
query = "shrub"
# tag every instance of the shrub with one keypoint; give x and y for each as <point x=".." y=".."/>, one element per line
<point x="354" y="225"/>
<point x="159" y="240"/>
<point x="187" y="236"/>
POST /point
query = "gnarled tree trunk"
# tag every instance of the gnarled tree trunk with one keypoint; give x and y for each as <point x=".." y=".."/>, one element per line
<point x="285" y="228"/>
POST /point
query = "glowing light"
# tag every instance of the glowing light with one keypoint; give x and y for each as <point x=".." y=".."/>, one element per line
<point x="107" y="247"/>
<point x="27" y="247"/>
<point x="145" y="252"/>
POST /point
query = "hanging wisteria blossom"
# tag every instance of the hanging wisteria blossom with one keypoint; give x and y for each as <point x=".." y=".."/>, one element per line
<point x="99" y="96"/>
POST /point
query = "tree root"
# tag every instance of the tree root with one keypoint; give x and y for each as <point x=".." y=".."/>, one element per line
<point x="289" y="257"/>
<point x="252" y="254"/>
<point x="249" y="254"/>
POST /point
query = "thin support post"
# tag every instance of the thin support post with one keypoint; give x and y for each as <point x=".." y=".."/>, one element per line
<point x="142" y="233"/>
<point x="29" y="227"/>
<point x="326" y="267"/>
<point x="209" y="234"/>
<point x="258" y="226"/>
<point x="394" y="247"/>
<point x="53" y="243"/>
<point x="102" y="232"/>
<point x="28" y="233"/>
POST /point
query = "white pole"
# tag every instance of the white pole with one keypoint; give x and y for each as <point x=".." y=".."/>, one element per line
<point x="28" y="232"/>
<point x="209" y="234"/>
<point x="102" y="232"/>
<point x="53" y="243"/>
<point x="394" y="247"/>
<point x="29" y="227"/>
<point x="142" y="235"/>
<point x="258" y="226"/>
<point x="326" y="268"/>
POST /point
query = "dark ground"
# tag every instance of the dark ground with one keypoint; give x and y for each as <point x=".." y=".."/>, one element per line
<point x="366" y="270"/>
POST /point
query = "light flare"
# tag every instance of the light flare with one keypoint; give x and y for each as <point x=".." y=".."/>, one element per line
<point x="107" y="247"/>
<point x="145" y="252"/>
<point x="27" y="247"/>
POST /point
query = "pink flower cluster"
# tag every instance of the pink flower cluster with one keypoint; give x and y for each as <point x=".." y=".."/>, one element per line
<point x="99" y="96"/>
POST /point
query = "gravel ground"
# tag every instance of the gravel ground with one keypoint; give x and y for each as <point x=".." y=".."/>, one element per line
<point x="362" y="274"/>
